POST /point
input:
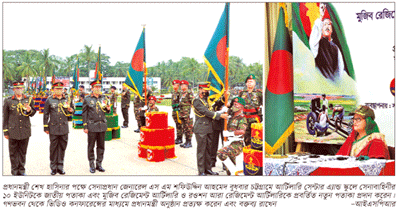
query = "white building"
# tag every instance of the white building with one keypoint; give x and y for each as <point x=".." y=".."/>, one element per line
<point x="108" y="82"/>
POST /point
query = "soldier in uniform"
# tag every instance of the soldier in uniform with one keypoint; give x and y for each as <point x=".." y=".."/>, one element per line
<point x="136" y="106"/>
<point x="203" y="129"/>
<point x="253" y="108"/>
<point x="113" y="99"/>
<point x="17" y="126"/>
<point x="185" y="106"/>
<point x="152" y="104"/>
<point x="125" y="103"/>
<point x="95" y="124"/>
<point x="175" y="110"/>
<point x="139" y="109"/>
<point x="236" y="125"/>
<point x="57" y="109"/>
<point x="82" y="90"/>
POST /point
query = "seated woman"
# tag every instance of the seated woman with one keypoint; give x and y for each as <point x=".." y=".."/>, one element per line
<point x="365" y="140"/>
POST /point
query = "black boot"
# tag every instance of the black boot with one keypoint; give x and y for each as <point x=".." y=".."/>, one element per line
<point x="178" y="140"/>
<point x="137" y="130"/>
<point x="187" y="144"/>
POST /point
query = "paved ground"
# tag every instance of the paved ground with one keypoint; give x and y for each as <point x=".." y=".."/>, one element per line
<point x="120" y="158"/>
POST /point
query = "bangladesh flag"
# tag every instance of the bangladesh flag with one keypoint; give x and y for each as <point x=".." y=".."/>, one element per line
<point x="134" y="79"/>
<point x="304" y="16"/>
<point x="216" y="56"/>
<point x="279" y="106"/>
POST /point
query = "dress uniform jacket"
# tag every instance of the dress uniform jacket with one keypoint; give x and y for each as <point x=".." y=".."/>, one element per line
<point x="93" y="116"/>
<point x="204" y="117"/>
<point x="55" y="117"/>
<point x="17" y="125"/>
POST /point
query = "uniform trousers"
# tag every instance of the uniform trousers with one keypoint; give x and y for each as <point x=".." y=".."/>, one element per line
<point x="58" y="145"/>
<point x="204" y="142"/>
<point x="18" y="149"/>
<point x="98" y="139"/>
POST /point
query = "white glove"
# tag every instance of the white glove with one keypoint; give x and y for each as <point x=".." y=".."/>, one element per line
<point x="224" y="109"/>
<point x="226" y="133"/>
<point x="144" y="108"/>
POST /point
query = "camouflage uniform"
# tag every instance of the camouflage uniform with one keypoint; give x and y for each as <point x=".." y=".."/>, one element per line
<point x="113" y="102"/>
<point x="185" y="106"/>
<point x="175" y="110"/>
<point x="152" y="109"/>
<point x="252" y="110"/>
<point x="136" y="106"/>
<point x="17" y="125"/>
<point x="125" y="103"/>
<point x="235" y="148"/>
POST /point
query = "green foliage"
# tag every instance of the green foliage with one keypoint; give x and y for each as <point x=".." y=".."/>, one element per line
<point x="33" y="63"/>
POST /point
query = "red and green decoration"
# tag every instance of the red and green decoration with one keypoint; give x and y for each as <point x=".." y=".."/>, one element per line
<point x="304" y="16"/>
<point x="217" y="56"/>
<point x="279" y="104"/>
<point x="134" y="78"/>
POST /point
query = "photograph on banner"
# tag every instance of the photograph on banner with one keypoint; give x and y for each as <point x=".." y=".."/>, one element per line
<point x="333" y="99"/>
<point x="148" y="89"/>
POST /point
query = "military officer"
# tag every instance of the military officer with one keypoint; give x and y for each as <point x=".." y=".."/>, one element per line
<point x="57" y="109"/>
<point x="17" y="126"/>
<point x="95" y="124"/>
<point x="203" y="129"/>
<point x="175" y="110"/>
<point x="237" y="126"/>
<point x="113" y="99"/>
<point x="253" y="108"/>
<point x="125" y="103"/>
<point x="185" y="106"/>
<point x="142" y="109"/>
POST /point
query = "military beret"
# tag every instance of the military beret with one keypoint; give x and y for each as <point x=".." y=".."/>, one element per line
<point x="176" y="82"/>
<point x="153" y="98"/>
<point x="58" y="84"/>
<point x="184" y="82"/>
<point x="251" y="76"/>
<point x="17" y="84"/>
<point x="365" y="111"/>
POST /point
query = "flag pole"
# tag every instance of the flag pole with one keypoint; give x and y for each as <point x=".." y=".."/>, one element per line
<point x="144" y="67"/>
<point x="226" y="70"/>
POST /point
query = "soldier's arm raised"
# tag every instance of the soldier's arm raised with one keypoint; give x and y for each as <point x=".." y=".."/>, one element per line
<point x="46" y="115"/>
<point x="5" y="118"/>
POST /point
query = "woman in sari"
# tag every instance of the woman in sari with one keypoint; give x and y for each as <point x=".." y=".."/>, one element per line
<point x="365" y="140"/>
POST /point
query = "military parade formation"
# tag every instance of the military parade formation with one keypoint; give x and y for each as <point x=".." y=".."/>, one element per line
<point x="241" y="111"/>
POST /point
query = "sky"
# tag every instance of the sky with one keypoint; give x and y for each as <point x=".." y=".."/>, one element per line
<point x="173" y="30"/>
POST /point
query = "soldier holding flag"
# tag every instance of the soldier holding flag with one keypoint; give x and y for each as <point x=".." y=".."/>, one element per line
<point x="175" y="110"/>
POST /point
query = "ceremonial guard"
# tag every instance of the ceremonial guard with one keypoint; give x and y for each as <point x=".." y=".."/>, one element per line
<point x="57" y="109"/>
<point x="95" y="124"/>
<point x="185" y="106"/>
<point x="140" y="109"/>
<point x="113" y="99"/>
<point x="237" y="125"/>
<point x="253" y="108"/>
<point x="175" y="110"/>
<point x="152" y="104"/>
<point x="17" y="126"/>
<point x="136" y="106"/>
<point x="82" y="90"/>
<point x="203" y="129"/>
<point x="125" y="103"/>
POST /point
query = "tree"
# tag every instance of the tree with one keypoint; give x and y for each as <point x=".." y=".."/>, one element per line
<point x="28" y="66"/>
<point x="88" y="55"/>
